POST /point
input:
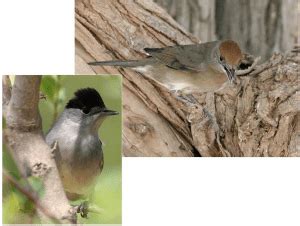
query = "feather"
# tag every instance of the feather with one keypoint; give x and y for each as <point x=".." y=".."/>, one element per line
<point x="85" y="99"/>
<point x="231" y="51"/>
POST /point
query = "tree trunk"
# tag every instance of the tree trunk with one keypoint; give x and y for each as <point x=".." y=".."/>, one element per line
<point x="24" y="137"/>
<point x="256" y="117"/>
<point x="196" y="16"/>
<point x="264" y="26"/>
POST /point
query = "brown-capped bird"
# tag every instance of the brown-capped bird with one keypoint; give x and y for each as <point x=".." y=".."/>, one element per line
<point x="203" y="67"/>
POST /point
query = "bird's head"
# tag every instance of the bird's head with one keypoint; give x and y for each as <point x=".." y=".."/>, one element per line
<point x="88" y="107"/>
<point x="229" y="56"/>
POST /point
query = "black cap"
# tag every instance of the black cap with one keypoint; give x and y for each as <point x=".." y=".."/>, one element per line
<point x="86" y="99"/>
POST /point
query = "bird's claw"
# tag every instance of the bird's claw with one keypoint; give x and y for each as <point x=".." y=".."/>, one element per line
<point x="186" y="98"/>
<point x="83" y="209"/>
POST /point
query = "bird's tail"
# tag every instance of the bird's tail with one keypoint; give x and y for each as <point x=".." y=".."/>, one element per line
<point x="127" y="63"/>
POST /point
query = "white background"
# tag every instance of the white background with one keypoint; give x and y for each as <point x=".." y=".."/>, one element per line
<point x="37" y="37"/>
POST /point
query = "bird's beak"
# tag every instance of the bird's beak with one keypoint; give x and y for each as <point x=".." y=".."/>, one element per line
<point x="103" y="112"/>
<point x="108" y="112"/>
<point x="230" y="74"/>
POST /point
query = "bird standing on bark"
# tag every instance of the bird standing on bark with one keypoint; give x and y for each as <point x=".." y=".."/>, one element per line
<point x="79" y="155"/>
<point x="203" y="67"/>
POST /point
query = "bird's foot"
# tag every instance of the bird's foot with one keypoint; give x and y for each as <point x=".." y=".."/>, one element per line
<point x="83" y="209"/>
<point x="185" y="98"/>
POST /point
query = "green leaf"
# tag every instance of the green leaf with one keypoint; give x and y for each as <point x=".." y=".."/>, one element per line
<point x="9" y="164"/>
<point x="11" y="207"/>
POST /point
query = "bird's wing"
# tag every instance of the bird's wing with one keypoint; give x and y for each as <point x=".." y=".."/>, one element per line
<point x="184" y="57"/>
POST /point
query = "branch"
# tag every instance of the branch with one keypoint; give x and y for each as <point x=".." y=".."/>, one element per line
<point x="33" y="198"/>
<point x="24" y="138"/>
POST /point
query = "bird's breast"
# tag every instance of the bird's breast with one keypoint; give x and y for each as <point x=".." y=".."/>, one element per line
<point x="207" y="80"/>
<point x="80" y="163"/>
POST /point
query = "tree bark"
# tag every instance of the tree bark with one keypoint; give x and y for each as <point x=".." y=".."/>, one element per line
<point x="24" y="137"/>
<point x="196" y="16"/>
<point x="251" y="118"/>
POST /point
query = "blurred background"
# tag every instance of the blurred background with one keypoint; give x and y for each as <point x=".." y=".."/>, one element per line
<point x="108" y="191"/>
<point x="261" y="27"/>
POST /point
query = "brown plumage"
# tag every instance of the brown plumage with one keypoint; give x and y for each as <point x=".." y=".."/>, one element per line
<point x="231" y="52"/>
<point x="203" y="66"/>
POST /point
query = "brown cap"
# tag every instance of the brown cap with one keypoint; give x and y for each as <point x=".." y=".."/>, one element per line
<point x="231" y="52"/>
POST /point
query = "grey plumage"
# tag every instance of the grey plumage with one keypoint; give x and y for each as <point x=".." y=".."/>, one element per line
<point x="125" y="63"/>
<point x="203" y="67"/>
<point x="79" y="154"/>
<point x="180" y="57"/>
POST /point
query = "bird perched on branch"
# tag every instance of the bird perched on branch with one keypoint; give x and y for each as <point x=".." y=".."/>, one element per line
<point x="204" y="67"/>
<point x="79" y="155"/>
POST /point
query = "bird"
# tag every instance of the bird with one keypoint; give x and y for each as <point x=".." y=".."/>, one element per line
<point x="79" y="155"/>
<point x="204" y="67"/>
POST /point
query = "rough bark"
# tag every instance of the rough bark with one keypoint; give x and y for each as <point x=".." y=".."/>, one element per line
<point x="251" y="118"/>
<point x="121" y="29"/>
<point x="24" y="137"/>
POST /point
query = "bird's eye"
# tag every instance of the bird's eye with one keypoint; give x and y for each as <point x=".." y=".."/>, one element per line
<point x="221" y="58"/>
<point x="85" y="110"/>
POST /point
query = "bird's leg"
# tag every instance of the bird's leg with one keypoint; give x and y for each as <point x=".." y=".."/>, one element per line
<point x="83" y="209"/>
<point x="86" y="207"/>
<point x="186" y="98"/>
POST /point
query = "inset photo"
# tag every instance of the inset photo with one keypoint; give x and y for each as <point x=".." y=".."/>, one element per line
<point x="62" y="149"/>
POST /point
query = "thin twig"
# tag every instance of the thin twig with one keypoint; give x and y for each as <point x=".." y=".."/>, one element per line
<point x="249" y="69"/>
<point x="30" y="196"/>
